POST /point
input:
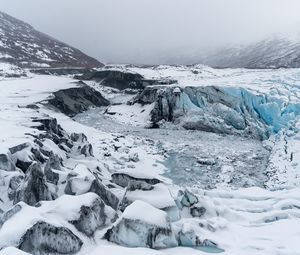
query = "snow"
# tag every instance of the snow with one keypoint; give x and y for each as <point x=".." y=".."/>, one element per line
<point x="7" y="69"/>
<point x="145" y="212"/>
<point x="32" y="90"/>
<point x="15" y="95"/>
<point x="12" y="251"/>
<point x="242" y="221"/>
<point x="82" y="181"/>
<point x="158" y="197"/>
<point x="135" y="115"/>
<point x="280" y="83"/>
<point x="58" y="213"/>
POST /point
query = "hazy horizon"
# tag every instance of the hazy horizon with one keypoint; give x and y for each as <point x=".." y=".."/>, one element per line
<point x="156" y="31"/>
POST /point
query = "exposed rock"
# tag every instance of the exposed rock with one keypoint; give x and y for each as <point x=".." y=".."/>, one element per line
<point x="186" y="199"/>
<point x="148" y="96"/>
<point x="34" y="188"/>
<point x="54" y="132"/>
<point x="197" y="211"/>
<point x="107" y="196"/>
<point x="87" y="150"/>
<point x="51" y="128"/>
<point x="75" y="137"/>
<point x="14" y="184"/>
<point x="133" y="183"/>
<point x="81" y="180"/>
<point x="51" y="176"/>
<point x="24" y="46"/>
<point x="115" y="79"/>
<point x="6" y="163"/>
<point x="121" y="80"/>
<point x="93" y="217"/>
<point x="24" y="154"/>
<point x="275" y="52"/>
<point x="77" y="100"/>
<point x="43" y="238"/>
<point x="134" y="157"/>
<point x="84" y="213"/>
<point x="15" y="181"/>
<point x="7" y="215"/>
<point x="59" y="71"/>
<point x="18" y="148"/>
<point x="52" y="163"/>
<point x="136" y="228"/>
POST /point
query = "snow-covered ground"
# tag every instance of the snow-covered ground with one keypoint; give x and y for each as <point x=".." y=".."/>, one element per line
<point x="15" y="95"/>
<point x="252" y="220"/>
<point x="278" y="93"/>
<point x="256" y="220"/>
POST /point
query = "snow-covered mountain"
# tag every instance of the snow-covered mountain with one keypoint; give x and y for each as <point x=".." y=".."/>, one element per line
<point x="146" y="160"/>
<point x="22" y="45"/>
<point x="277" y="52"/>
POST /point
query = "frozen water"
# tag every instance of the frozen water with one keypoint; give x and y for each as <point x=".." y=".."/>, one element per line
<point x="195" y="157"/>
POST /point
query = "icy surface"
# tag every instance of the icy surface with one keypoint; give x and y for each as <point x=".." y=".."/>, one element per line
<point x="193" y="157"/>
<point x="219" y="211"/>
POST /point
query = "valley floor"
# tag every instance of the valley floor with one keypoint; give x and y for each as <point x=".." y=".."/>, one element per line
<point x="250" y="188"/>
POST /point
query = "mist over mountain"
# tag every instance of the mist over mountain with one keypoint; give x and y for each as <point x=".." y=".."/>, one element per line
<point x="274" y="52"/>
<point x="154" y="31"/>
<point x="192" y="148"/>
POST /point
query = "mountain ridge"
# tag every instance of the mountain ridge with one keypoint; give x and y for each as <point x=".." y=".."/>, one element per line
<point x="21" y="44"/>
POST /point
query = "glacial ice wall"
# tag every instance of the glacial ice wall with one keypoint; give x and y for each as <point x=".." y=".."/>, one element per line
<point x="229" y="110"/>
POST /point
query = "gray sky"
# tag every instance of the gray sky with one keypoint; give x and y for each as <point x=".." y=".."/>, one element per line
<point x="153" y="31"/>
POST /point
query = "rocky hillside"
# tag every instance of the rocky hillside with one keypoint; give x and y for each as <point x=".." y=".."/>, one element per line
<point x="276" y="52"/>
<point x="24" y="46"/>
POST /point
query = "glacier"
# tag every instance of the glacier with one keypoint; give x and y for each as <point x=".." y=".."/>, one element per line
<point x="220" y="174"/>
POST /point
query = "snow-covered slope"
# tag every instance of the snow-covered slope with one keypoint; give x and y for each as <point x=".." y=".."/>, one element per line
<point x="102" y="183"/>
<point x="260" y="104"/>
<point x="22" y="45"/>
<point x="277" y="52"/>
<point x="10" y="70"/>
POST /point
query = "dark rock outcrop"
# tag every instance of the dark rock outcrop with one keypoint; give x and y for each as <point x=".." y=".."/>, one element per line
<point x="53" y="163"/>
<point x="43" y="238"/>
<point x="102" y="191"/>
<point x="96" y="187"/>
<point x="6" y="163"/>
<point x="10" y="213"/>
<point x="197" y="211"/>
<point x="121" y="80"/>
<point x="115" y="79"/>
<point x="93" y="217"/>
<point x="132" y="183"/>
<point x="77" y="100"/>
<point x="34" y="188"/>
<point x="59" y="71"/>
<point x="14" y="184"/>
<point x="142" y="233"/>
<point x="145" y="235"/>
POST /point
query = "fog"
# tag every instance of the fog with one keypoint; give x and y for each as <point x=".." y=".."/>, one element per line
<point x="156" y="31"/>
